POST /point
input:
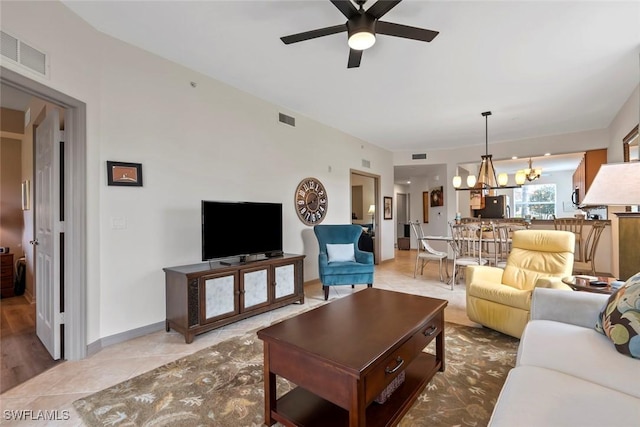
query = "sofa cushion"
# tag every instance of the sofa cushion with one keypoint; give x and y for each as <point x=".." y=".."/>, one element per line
<point x="341" y="252"/>
<point x="580" y="352"/>
<point x="620" y="318"/>
<point x="535" y="397"/>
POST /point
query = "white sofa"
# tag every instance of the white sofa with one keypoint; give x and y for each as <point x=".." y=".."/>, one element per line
<point x="566" y="373"/>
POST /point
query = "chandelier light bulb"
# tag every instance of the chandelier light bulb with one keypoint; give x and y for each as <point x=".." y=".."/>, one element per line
<point x="520" y="177"/>
<point x="471" y="181"/>
<point x="457" y="181"/>
<point x="503" y="179"/>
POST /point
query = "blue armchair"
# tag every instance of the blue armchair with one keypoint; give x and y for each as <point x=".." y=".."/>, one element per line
<point x="340" y="261"/>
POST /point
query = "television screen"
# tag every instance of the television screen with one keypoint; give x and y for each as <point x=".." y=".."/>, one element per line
<point x="240" y="228"/>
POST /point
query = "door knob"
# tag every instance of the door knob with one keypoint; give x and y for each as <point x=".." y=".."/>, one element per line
<point x="34" y="242"/>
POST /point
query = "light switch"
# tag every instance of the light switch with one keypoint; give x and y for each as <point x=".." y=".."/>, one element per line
<point x="118" y="222"/>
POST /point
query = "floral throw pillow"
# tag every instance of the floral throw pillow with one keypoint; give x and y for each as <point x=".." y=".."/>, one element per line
<point x="620" y="318"/>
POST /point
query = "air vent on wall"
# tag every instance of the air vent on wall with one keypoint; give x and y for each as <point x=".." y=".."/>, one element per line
<point x="287" y="120"/>
<point x="422" y="156"/>
<point x="23" y="54"/>
<point x="366" y="163"/>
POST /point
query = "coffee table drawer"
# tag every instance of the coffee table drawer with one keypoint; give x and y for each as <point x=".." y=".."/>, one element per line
<point x="429" y="331"/>
<point x="385" y="371"/>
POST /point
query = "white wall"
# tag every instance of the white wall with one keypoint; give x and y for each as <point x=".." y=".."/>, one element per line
<point x="210" y="142"/>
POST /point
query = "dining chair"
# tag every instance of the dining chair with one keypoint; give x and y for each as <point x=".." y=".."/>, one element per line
<point x="573" y="225"/>
<point x="587" y="264"/>
<point x="502" y="233"/>
<point x="425" y="252"/>
<point x="467" y="247"/>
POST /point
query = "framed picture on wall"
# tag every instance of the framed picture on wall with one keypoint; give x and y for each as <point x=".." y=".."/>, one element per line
<point x="437" y="197"/>
<point x="125" y="174"/>
<point x="388" y="208"/>
<point x="425" y="206"/>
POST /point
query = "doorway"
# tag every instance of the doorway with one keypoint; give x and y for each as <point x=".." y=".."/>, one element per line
<point x="73" y="210"/>
<point x="365" y="208"/>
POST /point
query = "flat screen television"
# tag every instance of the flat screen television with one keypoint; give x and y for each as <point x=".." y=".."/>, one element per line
<point x="240" y="228"/>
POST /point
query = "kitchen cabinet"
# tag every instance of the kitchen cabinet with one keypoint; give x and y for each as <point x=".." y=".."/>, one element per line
<point x="587" y="170"/>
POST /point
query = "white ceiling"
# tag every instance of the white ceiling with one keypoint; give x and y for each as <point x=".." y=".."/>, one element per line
<point x="541" y="67"/>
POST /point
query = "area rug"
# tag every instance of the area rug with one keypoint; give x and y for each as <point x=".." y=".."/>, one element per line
<point x="223" y="386"/>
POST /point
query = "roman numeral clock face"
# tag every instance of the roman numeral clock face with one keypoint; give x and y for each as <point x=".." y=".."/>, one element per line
<point x="311" y="201"/>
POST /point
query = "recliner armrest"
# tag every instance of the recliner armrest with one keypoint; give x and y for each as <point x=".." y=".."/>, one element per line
<point x="552" y="283"/>
<point x="577" y="308"/>
<point x="477" y="273"/>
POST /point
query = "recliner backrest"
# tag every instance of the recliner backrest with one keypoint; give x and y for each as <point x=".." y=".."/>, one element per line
<point x="538" y="253"/>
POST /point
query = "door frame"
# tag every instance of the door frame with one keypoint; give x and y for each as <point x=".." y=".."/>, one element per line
<point x="75" y="208"/>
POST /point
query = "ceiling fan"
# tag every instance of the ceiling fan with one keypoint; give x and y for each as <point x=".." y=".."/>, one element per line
<point x="362" y="26"/>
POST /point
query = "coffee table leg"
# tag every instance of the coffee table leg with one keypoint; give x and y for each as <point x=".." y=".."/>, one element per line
<point x="440" y="348"/>
<point x="269" y="389"/>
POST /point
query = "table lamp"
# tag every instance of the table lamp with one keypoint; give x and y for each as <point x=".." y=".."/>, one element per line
<point x="618" y="184"/>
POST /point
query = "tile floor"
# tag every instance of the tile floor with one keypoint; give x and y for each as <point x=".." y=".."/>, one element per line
<point x="57" y="388"/>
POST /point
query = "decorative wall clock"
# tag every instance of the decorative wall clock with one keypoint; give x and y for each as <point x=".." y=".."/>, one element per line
<point x="311" y="201"/>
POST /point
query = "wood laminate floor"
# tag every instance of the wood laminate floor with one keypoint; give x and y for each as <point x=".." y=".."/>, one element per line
<point x="23" y="355"/>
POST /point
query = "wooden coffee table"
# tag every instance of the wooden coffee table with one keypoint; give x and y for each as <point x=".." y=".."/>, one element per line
<point x="342" y="355"/>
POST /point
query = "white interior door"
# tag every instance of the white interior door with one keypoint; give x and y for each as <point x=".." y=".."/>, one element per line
<point x="47" y="233"/>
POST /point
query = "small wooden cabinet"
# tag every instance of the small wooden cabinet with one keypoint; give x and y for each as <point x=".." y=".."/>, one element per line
<point x="6" y="275"/>
<point x="205" y="296"/>
<point x="587" y="170"/>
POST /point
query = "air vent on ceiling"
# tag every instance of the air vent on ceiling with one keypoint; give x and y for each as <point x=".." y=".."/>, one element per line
<point x="287" y="120"/>
<point x="366" y="163"/>
<point x="23" y="54"/>
<point x="422" y="156"/>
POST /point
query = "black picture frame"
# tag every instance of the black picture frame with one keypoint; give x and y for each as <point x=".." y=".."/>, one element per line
<point x="388" y="207"/>
<point x="124" y="174"/>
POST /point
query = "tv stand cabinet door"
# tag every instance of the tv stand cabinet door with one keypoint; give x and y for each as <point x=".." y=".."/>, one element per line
<point x="285" y="279"/>
<point x="254" y="288"/>
<point x="220" y="295"/>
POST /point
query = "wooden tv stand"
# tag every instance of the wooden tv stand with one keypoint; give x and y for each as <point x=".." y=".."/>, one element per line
<point x="205" y="296"/>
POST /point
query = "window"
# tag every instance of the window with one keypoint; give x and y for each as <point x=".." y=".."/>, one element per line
<point x="536" y="200"/>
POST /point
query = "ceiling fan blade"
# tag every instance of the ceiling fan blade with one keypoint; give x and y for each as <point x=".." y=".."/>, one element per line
<point x="354" y="58"/>
<point x="308" y="35"/>
<point x="381" y="7"/>
<point x="405" y="31"/>
<point x="346" y="7"/>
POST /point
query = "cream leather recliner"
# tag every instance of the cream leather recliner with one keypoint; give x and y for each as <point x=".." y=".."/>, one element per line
<point x="500" y="299"/>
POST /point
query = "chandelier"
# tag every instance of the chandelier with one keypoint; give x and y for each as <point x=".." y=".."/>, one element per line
<point x="487" y="174"/>
<point x="530" y="174"/>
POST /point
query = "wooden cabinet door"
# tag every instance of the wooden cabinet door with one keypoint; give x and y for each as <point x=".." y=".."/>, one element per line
<point x="220" y="294"/>
<point x="284" y="280"/>
<point x="254" y="288"/>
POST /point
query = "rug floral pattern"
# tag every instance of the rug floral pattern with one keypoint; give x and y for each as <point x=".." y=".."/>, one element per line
<point x="222" y="386"/>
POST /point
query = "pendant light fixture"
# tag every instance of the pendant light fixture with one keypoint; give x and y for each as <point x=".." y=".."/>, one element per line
<point x="530" y="173"/>
<point x="487" y="174"/>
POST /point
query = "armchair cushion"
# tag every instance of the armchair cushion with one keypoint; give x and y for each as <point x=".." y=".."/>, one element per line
<point x="501" y="294"/>
<point x="619" y="319"/>
<point x="340" y="252"/>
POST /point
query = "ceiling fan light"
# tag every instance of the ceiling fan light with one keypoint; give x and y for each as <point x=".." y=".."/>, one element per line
<point x="361" y="40"/>
<point x="457" y="181"/>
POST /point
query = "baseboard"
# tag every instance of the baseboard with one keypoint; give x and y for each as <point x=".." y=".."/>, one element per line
<point x="98" y="345"/>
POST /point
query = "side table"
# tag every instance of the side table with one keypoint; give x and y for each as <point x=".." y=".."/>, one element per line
<point x="583" y="283"/>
